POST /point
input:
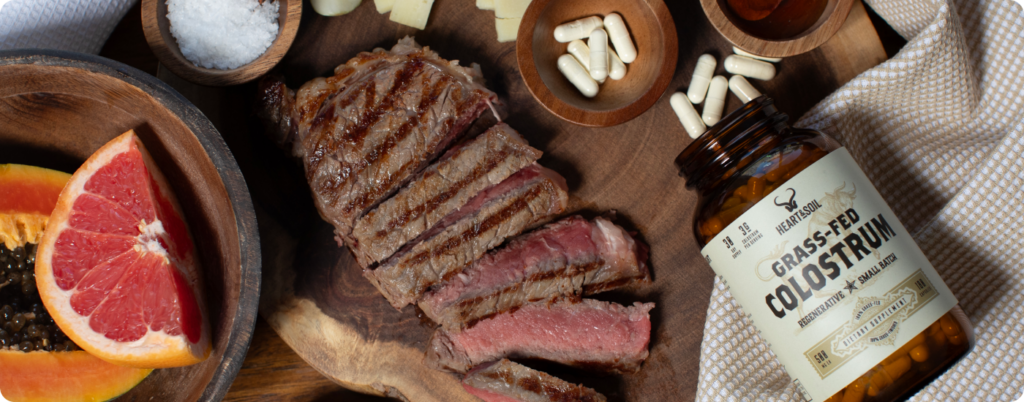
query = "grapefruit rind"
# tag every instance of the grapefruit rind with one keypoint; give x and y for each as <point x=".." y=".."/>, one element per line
<point x="154" y="349"/>
<point x="63" y="376"/>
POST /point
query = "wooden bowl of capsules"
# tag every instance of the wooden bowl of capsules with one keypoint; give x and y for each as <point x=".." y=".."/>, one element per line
<point x="555" y="49"/>
<point x="777" y="28"/>
<point x="57" y="109"/>
<point x="220" y="43"/>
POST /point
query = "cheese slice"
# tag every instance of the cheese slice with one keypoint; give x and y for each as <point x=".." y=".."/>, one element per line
<point x="384" y="6"/>
<point x="507" y="28"/>
<point x="485" y="4"/>
<point x="412" y="13"/>
<point x="510" y="8"/>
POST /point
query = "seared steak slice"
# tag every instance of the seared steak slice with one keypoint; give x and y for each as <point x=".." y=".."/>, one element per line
<point x="528" y="198"/>
<point x="573" y="257"/>
<point x="383" y="116"/>
<point x="441" y="189"/>
<point x="589" y="334"/>
<point x="505" y="381"/>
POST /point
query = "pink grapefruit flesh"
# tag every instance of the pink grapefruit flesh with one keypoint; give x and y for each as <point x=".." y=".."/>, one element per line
<point x="116" y="267"/>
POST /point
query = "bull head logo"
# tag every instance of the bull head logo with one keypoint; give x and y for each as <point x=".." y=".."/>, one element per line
<point x="791" y="204"/>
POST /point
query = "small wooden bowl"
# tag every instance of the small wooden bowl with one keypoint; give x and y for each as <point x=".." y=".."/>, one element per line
<point x="832" y="18"/>
<point x="537" y="51"/>
<point x="57" y="108"/>
<point x="158" y="34"/>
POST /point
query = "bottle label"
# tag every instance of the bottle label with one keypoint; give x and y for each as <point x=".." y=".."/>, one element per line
<point x="829" y="276"/>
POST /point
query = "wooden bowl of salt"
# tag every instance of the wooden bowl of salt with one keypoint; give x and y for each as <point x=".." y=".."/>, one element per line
<point x="157" y="29"/>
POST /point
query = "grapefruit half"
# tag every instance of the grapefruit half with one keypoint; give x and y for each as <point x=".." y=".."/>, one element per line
<point x="116" y="267"/>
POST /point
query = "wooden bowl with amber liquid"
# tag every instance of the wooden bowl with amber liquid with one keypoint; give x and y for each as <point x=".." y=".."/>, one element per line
<point x="777" y="28"/>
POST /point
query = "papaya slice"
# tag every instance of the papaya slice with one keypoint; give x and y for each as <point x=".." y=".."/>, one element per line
<point x="63" y="376"/>
<point x="36" y="362"/>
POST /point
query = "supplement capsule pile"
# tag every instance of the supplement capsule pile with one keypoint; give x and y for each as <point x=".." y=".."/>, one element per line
<point x="596" y="60"/>
<point x="24" y="323"/>
<point x="711" y="91"/>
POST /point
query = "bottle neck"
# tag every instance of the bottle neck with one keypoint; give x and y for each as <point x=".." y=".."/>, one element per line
<point x="732" y="144"/>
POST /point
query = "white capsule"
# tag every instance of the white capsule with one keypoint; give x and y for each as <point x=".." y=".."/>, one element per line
<point x="701" y="78"/>
<point x="715" y="102"/>
<point x="616" y="69"/>
<point x="687" y="114"/>
<point x="748" y="67"/>
<point x="577" y="75"/>
<point x="598" y="44"/>
<point x="619" y="35"/>
<point x="581" y="52"/>
<point x="742" y="88"/>
<point x="741" y="52"/>
<point x="578" y="29"/>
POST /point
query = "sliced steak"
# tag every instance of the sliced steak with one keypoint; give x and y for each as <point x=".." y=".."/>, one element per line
<point x="505" y="381"/>
<point x="444" y="187"/>
<point x="589" y="334"/>
<point x="382" y="117"/>
<point x="528" y="198"/>
<point x="572" y="258"/>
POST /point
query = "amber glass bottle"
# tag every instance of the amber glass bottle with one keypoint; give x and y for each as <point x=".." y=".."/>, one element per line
<point x="851" y="279"/>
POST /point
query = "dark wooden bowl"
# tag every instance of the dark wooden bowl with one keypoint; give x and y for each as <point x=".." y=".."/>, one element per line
<point x="57" y="108"/>
<point x="653" y="32"/>
<point x="827" y="25"/>
<point x="158" y="33"/>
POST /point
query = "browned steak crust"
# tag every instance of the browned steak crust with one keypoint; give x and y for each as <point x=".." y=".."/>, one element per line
<point x="443" y="188"/>
<point x="367" y="130"/>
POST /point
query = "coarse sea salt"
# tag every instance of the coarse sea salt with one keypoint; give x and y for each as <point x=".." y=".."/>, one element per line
<point x="222" y="34"/>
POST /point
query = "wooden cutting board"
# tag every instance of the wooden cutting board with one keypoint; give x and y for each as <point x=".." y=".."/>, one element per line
<point x="316" y="299"/>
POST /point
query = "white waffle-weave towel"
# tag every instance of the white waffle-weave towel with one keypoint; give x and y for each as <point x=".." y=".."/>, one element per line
<point x="939" y="129"/>
<point x="74" y="25"/>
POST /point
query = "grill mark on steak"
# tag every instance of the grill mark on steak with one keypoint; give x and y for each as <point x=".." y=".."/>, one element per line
<point x="568" y="272"/>
<point x="314" y="105"/>
<point x="372" y="114"/>
<point x="325" y="144"/>
<point x="571" y="258"/>
<point x="493" y="159"/>
<point x="492" y="221"/>
<point x="425" y="104"/>
<point x="530" y="197"/>
<point x="325" y="121"/>
<point x="588" y="333"/>
<point x="374" y="192"/>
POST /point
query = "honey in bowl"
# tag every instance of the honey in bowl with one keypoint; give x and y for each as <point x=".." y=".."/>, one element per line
<point x="775" y="19"/>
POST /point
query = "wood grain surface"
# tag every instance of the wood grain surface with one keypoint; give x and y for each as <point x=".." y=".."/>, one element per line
<point x="272" y="370"/>
<point x="316" y="299"/>
<point x="157" y="31"/>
